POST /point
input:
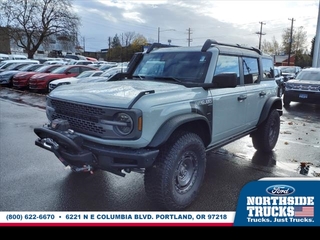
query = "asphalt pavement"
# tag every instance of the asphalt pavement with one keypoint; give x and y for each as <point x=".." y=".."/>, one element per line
<point x="33" y="179"/>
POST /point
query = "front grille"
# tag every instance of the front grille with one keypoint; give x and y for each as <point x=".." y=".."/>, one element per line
<point x="82" y="118"/>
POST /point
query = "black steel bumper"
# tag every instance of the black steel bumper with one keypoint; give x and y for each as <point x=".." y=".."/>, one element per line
<point x="72" y="150"/>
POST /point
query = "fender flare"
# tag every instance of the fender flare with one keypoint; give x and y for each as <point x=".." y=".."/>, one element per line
<point x="272" y="102"/>
<point x="165" y="131"/>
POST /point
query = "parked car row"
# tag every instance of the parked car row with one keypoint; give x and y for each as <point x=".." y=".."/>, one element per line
<point x="45" y="77"/>
<point x="21" y="79"/>
<point x="295" y="84"/>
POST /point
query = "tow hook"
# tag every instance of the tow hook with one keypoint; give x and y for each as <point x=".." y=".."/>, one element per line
<point x="85" y="168"/>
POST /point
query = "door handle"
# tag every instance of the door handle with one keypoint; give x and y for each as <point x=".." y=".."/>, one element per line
<point x="262" y="93"/>
<point x="242" y="97"/>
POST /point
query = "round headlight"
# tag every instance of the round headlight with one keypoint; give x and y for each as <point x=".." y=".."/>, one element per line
<point x="124" y="125"/>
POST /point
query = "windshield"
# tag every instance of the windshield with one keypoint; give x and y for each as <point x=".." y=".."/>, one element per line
<point x="85" y="74"/>
<point x="309" y="75"/>
<point x="61" y="69"/>
<point x="112" y="71"/>
<point x="183" y="66"/>
<point x="16" y="66"/>
<point x="46" y="67"/>
<point x="30" y="67"/>
<point x="288" y="70"/>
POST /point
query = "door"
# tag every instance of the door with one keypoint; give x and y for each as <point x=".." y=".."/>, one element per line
<point x="229" y="104"/>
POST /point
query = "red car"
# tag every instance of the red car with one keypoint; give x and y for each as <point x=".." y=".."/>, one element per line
<point x="40" y="81"/>
<point x="21" y="80"/>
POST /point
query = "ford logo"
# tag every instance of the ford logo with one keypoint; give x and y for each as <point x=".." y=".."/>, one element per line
<point x="280" y="190"/>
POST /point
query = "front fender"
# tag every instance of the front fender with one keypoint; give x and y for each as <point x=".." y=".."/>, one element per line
<point x="165" y="131"/>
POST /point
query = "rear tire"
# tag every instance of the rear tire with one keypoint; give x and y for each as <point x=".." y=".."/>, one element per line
<point x="174" y="181"/>
<point x="266" y="136"/>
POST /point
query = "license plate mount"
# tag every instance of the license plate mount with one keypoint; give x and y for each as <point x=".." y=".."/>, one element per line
<point x="303" y="95"/>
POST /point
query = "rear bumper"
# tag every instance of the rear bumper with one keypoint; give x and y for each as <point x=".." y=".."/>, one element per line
<point x="72" y="150"/>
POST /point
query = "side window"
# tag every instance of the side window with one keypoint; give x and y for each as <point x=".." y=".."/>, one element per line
<point x="74" y="70"/>
<point x="228" y="64"/>
<point x="250" y="70"/>
<point x="267" y="68"/>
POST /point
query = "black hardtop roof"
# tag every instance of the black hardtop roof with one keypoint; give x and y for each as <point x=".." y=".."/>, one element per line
<point x="222" y="47"/>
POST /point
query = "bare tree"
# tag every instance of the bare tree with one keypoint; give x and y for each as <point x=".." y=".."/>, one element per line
<point x="272" y="48"/>
<point x="128" y="37"/>
<point x="31" y="22"/>
<point x="298" y="41"/>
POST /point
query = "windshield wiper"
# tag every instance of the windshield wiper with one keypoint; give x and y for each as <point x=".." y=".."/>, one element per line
<point x="170" y="78"/>
<point x="139" y="76"/>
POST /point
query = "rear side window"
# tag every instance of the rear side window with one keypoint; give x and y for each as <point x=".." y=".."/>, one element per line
<point x="250" y="70"/>
<point x="228" y="64"/>
<point x="267" y="68"/>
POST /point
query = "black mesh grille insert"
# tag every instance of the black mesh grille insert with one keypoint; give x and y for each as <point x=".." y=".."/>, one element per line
<point x="82" y="118"/>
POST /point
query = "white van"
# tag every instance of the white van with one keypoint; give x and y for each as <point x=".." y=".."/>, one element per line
<point x="6" y="63"/>
<point x="17" y="57"/>
<point x="4" y="57"/>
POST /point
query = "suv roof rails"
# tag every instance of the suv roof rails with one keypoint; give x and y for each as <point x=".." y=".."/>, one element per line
<point x="209" y="42"/>
<point x="158" y="45"/>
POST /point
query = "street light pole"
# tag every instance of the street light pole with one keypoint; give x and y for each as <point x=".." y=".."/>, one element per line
<point x="163" y="31"/>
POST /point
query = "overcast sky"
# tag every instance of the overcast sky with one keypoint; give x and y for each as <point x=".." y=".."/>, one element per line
<point x="222" y="20"/>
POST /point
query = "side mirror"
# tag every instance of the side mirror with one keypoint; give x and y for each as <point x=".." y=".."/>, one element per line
<point x="225" y="80"/>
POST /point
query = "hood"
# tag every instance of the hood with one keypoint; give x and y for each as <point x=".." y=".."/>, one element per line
<point x="10" y="72"/>
<point x="22" y="74"/>
<point x="303" y="82"/>
<point x="67" y="79"/>
<point x="115" y="93"/>
<point x="40" y="75"/>
<point x="305" y="85"/>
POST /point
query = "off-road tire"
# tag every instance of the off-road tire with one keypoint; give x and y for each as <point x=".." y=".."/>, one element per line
<point x="174" y="180"/>
<point x="266" y="136"/>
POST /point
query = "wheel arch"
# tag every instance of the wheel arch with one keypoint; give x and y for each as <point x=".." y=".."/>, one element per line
<point x="271" y="103"/>
<point x="191" y="122"/>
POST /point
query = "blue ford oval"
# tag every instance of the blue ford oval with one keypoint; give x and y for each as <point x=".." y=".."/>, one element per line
<point x="280" y="190"/>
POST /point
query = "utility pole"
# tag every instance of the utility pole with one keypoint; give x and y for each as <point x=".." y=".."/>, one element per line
<point x="84" y="44"/>
<point x="189" y="37"/>
<point x="290" y="40"/>
<point x="171" y="29"/>
<point x="260" y="33"/>
<point x="316" y="51"/>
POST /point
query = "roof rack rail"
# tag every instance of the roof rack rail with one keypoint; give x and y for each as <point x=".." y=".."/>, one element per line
<point x="158" y="45"/>
<point x="209" y="42"/>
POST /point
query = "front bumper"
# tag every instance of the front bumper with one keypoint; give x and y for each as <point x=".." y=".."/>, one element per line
<point x="81" y="155"/>
<point x="302" y="96"/>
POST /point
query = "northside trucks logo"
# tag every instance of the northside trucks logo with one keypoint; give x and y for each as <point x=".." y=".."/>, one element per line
<point x="280" y="206"/>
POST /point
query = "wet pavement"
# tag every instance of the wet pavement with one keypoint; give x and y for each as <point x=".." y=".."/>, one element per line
<point x="298" y="147"/>
<point x="33" y="179"/>
<point x="297" y="150"/>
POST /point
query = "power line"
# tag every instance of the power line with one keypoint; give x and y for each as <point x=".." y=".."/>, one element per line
<point x="260" y="33"/>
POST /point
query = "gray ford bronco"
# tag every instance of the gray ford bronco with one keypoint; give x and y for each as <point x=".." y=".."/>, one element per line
<point x="162" y="116"/>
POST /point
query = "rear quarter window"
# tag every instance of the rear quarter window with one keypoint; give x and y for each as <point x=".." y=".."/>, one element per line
<point x="267" y="68"/>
